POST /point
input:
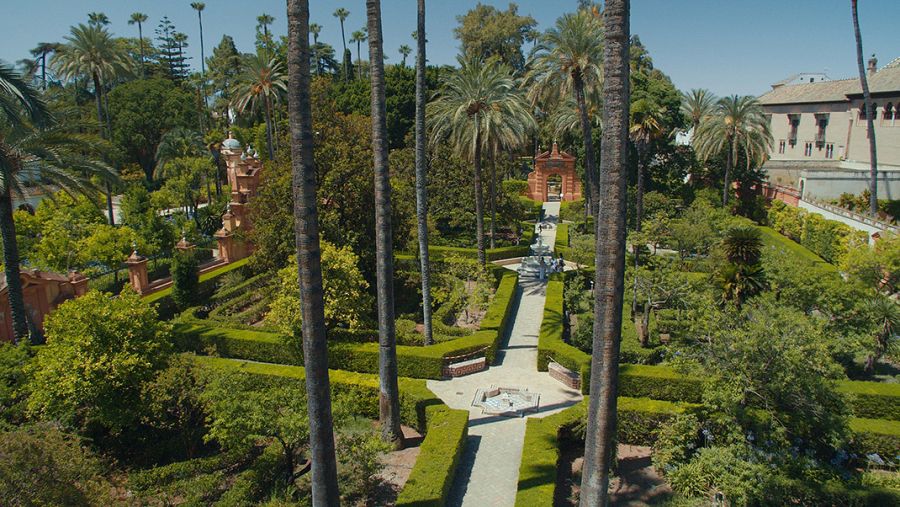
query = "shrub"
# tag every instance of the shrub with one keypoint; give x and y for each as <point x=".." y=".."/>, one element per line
<point x="207" y="285"/>
<point x="185" y="279"/>
<point x="658" y="382"/>
<point x="725" y="469"/>
<point x="876" y="436"/>
<point x="429" y="481"/>
<point x="828" y="239"/>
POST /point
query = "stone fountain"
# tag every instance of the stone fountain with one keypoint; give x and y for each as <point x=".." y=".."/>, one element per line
<point x="506" y="401"/>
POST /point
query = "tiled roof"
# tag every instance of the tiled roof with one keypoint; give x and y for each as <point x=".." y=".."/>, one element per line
<point x="887" y="79"/>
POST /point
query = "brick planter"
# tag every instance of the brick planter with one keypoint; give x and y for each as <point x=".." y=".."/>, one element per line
<point x="568" y="377"/>
<point x="465" y="367"/>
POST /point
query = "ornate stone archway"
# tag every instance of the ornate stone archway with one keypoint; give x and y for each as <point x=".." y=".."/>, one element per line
<point x="547" y="164"/>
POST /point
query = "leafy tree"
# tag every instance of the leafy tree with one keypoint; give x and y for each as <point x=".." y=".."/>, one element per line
<point x="139" y="214"/>
<point x="171" y="50"/>
<point x="141" y="112"/>
<point x="876" y="266"/>
<point x="62" y="224"/>
<point x="43" y="465"/>
<point x="485" y="31"/>
<point x="247" y="410"/>
<point x="185" y="279"/>
<point x="885" y="317"/>
<point x="347" y="302"/>
<point x="224" y="67"/>
<point x="109" y="246"/>
<point x="100" y="351"/>
<point x="174" y="403"/>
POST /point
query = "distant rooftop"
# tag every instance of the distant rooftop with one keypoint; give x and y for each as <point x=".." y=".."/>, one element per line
<point x="884" y="80"/>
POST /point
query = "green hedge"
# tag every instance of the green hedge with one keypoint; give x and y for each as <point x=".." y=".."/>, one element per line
<point x="352" y="350"/>
<point x="658" y="382"/>
<point x="430" y="480"/>
<point x="550" y="339"/>
<point x="439" y="253"/>
<point x="873" y="400"/>
<point x="638" y="422"/>
<point x="876" y="436"/>
<point x="829" y="239"/>
<point x="361" y="388"/>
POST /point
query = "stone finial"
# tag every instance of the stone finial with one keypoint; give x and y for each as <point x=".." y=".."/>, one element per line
<point x="554" y="153"/>
<point x="873" y="64"/>
<point x="184" y="245"/>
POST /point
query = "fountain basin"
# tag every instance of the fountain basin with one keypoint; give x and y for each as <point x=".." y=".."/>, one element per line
<point x="506" y="401"/>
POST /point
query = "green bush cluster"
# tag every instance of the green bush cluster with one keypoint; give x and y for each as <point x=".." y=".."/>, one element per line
<point x="429" y="483"/>
<point x="551" y="346"/>
<point x="205" y="289"/>
<point x="659" y="383"/>
<point x="828" y="239"/>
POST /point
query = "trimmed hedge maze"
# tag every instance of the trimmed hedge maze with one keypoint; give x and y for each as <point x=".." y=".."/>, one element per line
<point x="445" y="429"/>
<point x="355" y="351"/>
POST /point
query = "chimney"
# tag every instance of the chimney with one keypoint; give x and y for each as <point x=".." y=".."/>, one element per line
<point x="873" y="64"/>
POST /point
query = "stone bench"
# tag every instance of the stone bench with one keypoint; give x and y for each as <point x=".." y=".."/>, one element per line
<point x="465" y="367"/>
<point x="569" y="378"/>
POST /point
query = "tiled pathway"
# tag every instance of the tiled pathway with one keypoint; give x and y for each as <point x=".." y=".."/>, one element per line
<point x="489" y="469"/>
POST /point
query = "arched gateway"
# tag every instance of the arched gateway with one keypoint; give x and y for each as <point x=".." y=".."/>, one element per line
<point x="554" y="169"/>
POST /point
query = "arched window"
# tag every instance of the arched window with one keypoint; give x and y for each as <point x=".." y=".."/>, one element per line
<point x="889" y="113"/>
<point x="861" y="116"/>
<point x="874" y="111"/>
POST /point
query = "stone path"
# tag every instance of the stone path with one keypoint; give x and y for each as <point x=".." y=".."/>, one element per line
<point x="489" y="470"/>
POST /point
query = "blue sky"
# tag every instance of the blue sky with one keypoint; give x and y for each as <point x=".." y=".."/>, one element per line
<point x="726" y="46"/>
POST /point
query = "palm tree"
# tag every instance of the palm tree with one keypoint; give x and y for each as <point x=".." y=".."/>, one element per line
<point x="139" y="18"/>
<point x="870" y="115"/>
<point x="421" y="175"/>
<point x="264" y="20"/>
<point x="36" y="150"/>
<point x="568" y="60"/>
<point x="389" y="401"/>
<point x="480" y="107"/>
<point x="199" y="6"/>
<point x="90" y="51"/>
<point x="646" y="127"/>
<point x="599" y="447"/>
<point x="41" y="51"/>
<point x="262" y="82"/>
<point x="737" y="125"/>
<point x="358" y="37"/>
<point x="404" y="52"/>
<point x="309" y="261"/>
<point x="697" y="105"/>
<point x="315" y="29"/>
<point x="179" y="142"/>
<point x="98" y="19"/>
<point x="742" y="277"/>
<point x="342" y="14"/>
<point x="885" y="314"/>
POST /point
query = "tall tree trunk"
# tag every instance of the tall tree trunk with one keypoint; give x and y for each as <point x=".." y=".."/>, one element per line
<point x="141" y="36"/>
<point x="590" y="165"/>
<point x="639" y="197"/>
<point x="359" y="61"/>
<point x="479" y="196"/>
<point x="11" y="268"/>
<point x="98" y="98"/>
<point x="492" y="188"/>
<point x="309" y="261"/>
<point x="389" y="395"/>
<point x="599" y="448"/>
<point x="269" y="144"/>
<point x="421" y="174"/>
<point x="870" y="113"/>
<point x="44" y="71"/>
<point x="729" y="165"/>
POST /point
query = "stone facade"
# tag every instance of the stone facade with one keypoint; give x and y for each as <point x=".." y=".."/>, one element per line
<point x="43" y="292"/>
<point x="554" y="163"/>
<point x="820" y="137"/>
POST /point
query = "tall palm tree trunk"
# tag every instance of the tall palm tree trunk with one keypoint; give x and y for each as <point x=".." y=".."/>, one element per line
<point x="492" y="188"/>
<point x="44" y="71"/>
<point x="98" y="98"/>
<point x="479" y="197"/>
<point x="141" y="36"/>
<point x="389" y="399"/>
<point x="358" y="61"/>
<point x="870" y="121"/>
<point x="639" y="197"/>
<point x="421" y="175"/>
<point x="599" y="448"/>
<point x="269" y="144"/>
<point x="309" y="261"/>
<point x="590" y="165"/>
<point x="11" y="268"/>
<point x="729" y="166"/>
